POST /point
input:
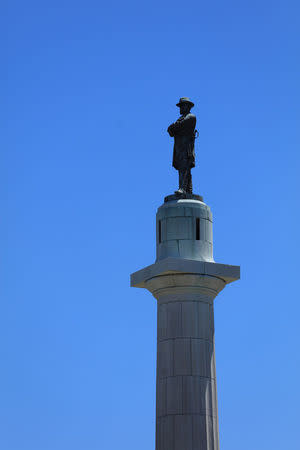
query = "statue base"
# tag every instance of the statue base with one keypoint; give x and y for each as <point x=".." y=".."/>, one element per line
<point x="174" y="197"/>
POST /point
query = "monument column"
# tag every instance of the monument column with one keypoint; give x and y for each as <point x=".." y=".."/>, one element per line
<point x="185" y="280"/>
<point x="186" y="397"/>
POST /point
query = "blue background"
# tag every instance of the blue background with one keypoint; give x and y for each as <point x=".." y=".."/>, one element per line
<point x="88" y="89"/>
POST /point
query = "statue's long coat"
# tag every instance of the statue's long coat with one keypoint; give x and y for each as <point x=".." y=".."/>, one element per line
<point x="183" y="131"/>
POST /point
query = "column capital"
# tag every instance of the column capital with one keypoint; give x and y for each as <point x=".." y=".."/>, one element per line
<point x="178" y="277"/>
<point x="185" y="286"/>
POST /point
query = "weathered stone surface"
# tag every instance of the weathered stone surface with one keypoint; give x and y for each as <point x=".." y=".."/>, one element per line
<point x="225" y="272"/>
<point x="178" y="228"/>
<point x="186" y="374"/>
<point x="174" y="395"/>
<point x="165" y="433"/>
<point x="189" y="319"/>
<point x="174" y="328"/>
<point x="205" y="436"/>
<point x="183" y="432"/>
<point x="161" y="397"/>
<point x="165" y="358"/>
<point x="186" y="378"/>
<point x="203" y="358"/>
<point x="184" y="230"/>
<point x="188" y="248"/>
<point x="182" y="357"/>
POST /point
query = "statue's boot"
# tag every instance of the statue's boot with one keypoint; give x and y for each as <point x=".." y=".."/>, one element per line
<point x="180" y="191"/>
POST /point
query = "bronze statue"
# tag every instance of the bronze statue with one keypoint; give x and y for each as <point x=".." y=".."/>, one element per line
<point x="184" y="133"/>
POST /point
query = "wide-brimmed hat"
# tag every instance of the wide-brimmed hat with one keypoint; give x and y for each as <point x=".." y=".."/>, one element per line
<point x="185" y="100"/>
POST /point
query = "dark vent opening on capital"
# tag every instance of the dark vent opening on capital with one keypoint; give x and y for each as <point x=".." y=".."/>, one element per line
<point x="197" y="229"/>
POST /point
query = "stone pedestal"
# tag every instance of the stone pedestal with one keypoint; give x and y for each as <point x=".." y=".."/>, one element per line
<point x="185" y="280"/>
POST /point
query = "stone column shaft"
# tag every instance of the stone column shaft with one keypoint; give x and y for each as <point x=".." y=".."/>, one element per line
<point x="186" y="396"/>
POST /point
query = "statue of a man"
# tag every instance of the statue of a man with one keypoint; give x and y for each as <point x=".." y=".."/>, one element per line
<point x="183" y="131"/>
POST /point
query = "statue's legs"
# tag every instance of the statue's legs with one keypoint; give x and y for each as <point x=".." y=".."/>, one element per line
<point x="185" y="180"/>
<point x="189" y="184"/>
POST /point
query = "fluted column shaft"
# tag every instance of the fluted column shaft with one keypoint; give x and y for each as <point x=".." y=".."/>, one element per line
<point x="186" y="393"/>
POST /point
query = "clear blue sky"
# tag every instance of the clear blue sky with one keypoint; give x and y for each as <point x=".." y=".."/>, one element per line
<point x="88" y="89"/>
